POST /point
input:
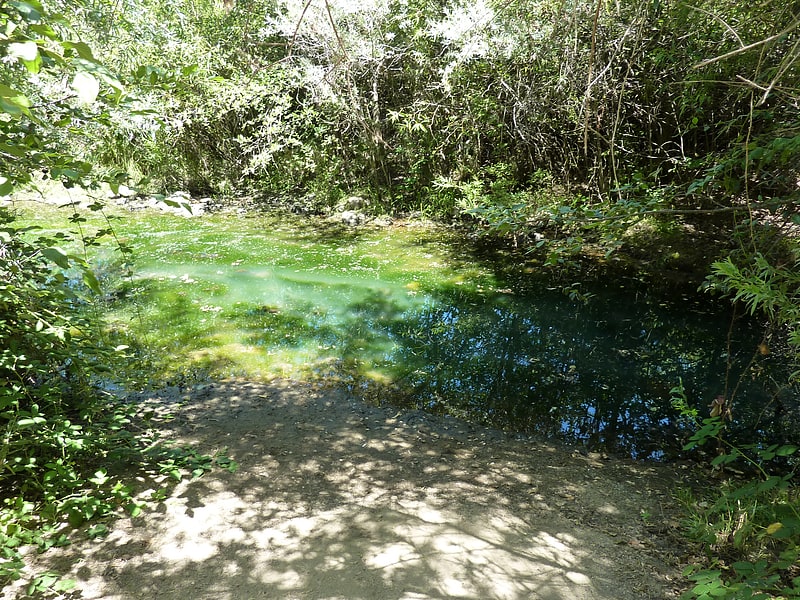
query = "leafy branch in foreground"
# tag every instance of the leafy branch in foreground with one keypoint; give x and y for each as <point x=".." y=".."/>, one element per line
<point x="762" y="287"/>
<point x="68" y="448"/>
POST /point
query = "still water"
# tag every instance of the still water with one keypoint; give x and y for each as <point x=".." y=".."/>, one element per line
<point x="415" y="314"/>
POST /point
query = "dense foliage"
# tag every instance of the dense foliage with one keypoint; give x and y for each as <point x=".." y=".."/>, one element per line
<point x="666" y="129"/>
<point x="559" y="125"/>
<point x="68" y="447"/>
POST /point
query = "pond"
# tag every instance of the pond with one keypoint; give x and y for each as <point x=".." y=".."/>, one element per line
<point x="413" y="315"/>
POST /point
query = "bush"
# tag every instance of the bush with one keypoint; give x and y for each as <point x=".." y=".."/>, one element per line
<point x="748" y="529"/>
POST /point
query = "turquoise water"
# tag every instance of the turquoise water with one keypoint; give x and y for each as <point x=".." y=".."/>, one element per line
<point x="416" y="316"/>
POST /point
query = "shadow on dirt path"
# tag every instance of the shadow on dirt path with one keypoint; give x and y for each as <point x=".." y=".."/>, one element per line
<point x="335" y="499"/>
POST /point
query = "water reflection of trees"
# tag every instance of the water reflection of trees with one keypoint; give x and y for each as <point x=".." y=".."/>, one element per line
<point x="600" y="372"/>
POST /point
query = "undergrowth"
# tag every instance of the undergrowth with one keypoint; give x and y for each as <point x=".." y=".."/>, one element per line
<point x="747" y="527"/>
<point x="70" y="449"/>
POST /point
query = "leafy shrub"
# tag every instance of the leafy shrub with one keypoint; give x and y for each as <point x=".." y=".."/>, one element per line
<point x="748" y="529"/>
<point x="69" y="447"/>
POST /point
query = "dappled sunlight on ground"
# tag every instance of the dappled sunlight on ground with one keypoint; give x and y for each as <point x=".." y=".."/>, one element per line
<point x="335" y="499"/>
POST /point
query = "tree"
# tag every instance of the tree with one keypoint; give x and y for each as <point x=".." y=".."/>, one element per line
<point x="61" y="432"/>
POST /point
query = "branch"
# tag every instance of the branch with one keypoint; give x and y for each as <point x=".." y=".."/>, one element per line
<point x="297" y="27"/>
<point x="335" y="30"/>
<point x="783" y="68"/>
<point x="588" y="97"/>
<point x="720" y="19"/>
<point x="771" y="38"/>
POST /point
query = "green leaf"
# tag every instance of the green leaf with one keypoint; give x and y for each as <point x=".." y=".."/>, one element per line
<point x="56" y="255"/>
<point x="63" y="585"/>
<point x="81" y="49"/>
<point x="90" y="280"/>
<point x="13" y="102"/>
<point x="724" y="459"/>
<point x="782" y="533"/>
<point x="75" y="518"/>
<point x="44" y="30"/>
<point x="42" y="582"/>
<point x="30" y="10"/>
<point x="95" y="531"/>
<point x="28" y="53"/>
<point x="787" y="450"/>
<point x="6" y="187"/>
<point x="100" y="477"/>
<point x="769" y="483"/>
<point x="774" y="528"/>
<point x="30" y="422"/>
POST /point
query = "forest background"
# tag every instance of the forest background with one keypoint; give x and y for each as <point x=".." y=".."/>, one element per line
<point x="571" y="128"/>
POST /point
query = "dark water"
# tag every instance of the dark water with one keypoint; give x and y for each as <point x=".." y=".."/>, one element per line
<point x="593" y="366"/>
<point x="598" y="373"/>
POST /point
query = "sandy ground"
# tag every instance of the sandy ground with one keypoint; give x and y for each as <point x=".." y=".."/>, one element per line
<point x="336" y="499"/>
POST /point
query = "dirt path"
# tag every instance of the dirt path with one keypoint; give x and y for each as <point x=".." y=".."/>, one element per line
<point x="335" y="499"/>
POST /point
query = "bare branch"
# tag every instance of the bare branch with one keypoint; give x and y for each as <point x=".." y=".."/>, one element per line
<point x="588" y="97"/>
<point x="720" y="19"/>
<point x="335" y="29"/>
<point x="297" y="27"/>
<point x="743" y="49"/>
<point x="783" y="68"/>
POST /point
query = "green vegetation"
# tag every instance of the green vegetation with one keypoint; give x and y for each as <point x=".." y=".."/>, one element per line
<point x="748" y="528"/>
<point x="68" y="446"/>
<point x="662" y="134"/>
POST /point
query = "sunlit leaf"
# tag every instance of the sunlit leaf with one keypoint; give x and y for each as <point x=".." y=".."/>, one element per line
<point x="86" y="87"/>
<point x="30" y="10"/>
<point x="100" y="477"/>
<point x="96" y="531"/>
<point x="6" y="187"/>
<point x="12" y="101"/>
<point x="28" y="53"/>
<point x="43" y="30"/>
<point x="775" y="527"/>
<point x="56" y="255"/>
<point x="90" y="280"/>
<point x="81" y="49"/>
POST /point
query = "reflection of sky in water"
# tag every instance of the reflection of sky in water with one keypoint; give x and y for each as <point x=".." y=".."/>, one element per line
<point x="598" y="373"/>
